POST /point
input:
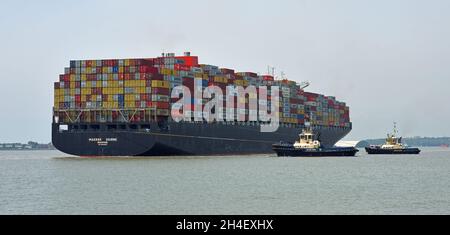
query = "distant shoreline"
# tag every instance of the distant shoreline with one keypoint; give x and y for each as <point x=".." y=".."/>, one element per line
<point x="30" y="146"/>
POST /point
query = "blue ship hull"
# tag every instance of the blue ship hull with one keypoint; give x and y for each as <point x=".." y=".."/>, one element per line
<point x="150" y="139"/>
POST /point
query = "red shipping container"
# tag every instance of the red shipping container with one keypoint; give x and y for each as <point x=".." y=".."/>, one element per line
<point x="311" y="99"/>
<point x="227" y="71"/>
<point x="268" y="78"/>
<point x="148" y="62"/>
<point x="138" y="104"/>
<point x="144" y="97"/>
<point x="294" y="101"/>
<point x="189" y="60"/>
<point x="160" y="91"/>
<point x="308" y="94"/>
<point x="152" y="70"/>
<point x="160" y="105"/>
<point x="157" y="77"/>
<point x="182" y="67"/>
<point x="143" y="69"/>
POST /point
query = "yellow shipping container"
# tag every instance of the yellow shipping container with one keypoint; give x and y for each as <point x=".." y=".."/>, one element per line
<point x="86" y="91"/>
<point x="160" y="84"/>
<point x="83" y="77"/>
<point x="83" y="98"/>
<point x="127" y="62"/>
<point x="121" y="69"/>
<point x="129" y="98"/>
<point x="239" y="82"/>
<point x="72" y="91"/>
<point x="130" y="104"/>
<point x="165" y="71"/>
<point x="72" y="77"/>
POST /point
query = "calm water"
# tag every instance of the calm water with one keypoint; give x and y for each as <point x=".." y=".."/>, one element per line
<point x="53" y="183"/>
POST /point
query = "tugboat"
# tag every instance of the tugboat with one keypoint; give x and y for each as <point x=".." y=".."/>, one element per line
<point x="393" y="145"/>
<point x="309" y="146"/>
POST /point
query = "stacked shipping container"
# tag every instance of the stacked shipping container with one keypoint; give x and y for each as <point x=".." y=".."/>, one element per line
<point x="138" y="90"/>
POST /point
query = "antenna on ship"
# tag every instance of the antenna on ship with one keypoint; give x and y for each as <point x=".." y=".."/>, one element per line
<point x="395" y="129"/>
<point x="271" y="70"/>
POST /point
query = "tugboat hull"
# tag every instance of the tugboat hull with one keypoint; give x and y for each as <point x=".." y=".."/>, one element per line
<point x="380" y="151"/>
<point x="288" y="150"/>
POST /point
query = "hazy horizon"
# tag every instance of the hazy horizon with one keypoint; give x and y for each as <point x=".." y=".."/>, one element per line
<point x="388" y="60"/>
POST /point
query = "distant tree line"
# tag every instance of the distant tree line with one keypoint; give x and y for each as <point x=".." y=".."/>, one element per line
<point x="29" y="146"/>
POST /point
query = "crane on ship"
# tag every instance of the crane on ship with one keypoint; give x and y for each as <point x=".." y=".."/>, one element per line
<point x="302" y="85"/>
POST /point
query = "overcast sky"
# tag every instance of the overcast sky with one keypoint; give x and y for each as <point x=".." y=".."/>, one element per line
<point x="388" y="59"/>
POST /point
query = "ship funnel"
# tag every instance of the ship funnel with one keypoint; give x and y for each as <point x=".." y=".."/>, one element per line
<point x="187" y="53"/>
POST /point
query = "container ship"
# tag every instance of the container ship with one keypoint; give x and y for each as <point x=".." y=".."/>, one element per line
<point x="123" y="107"/>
